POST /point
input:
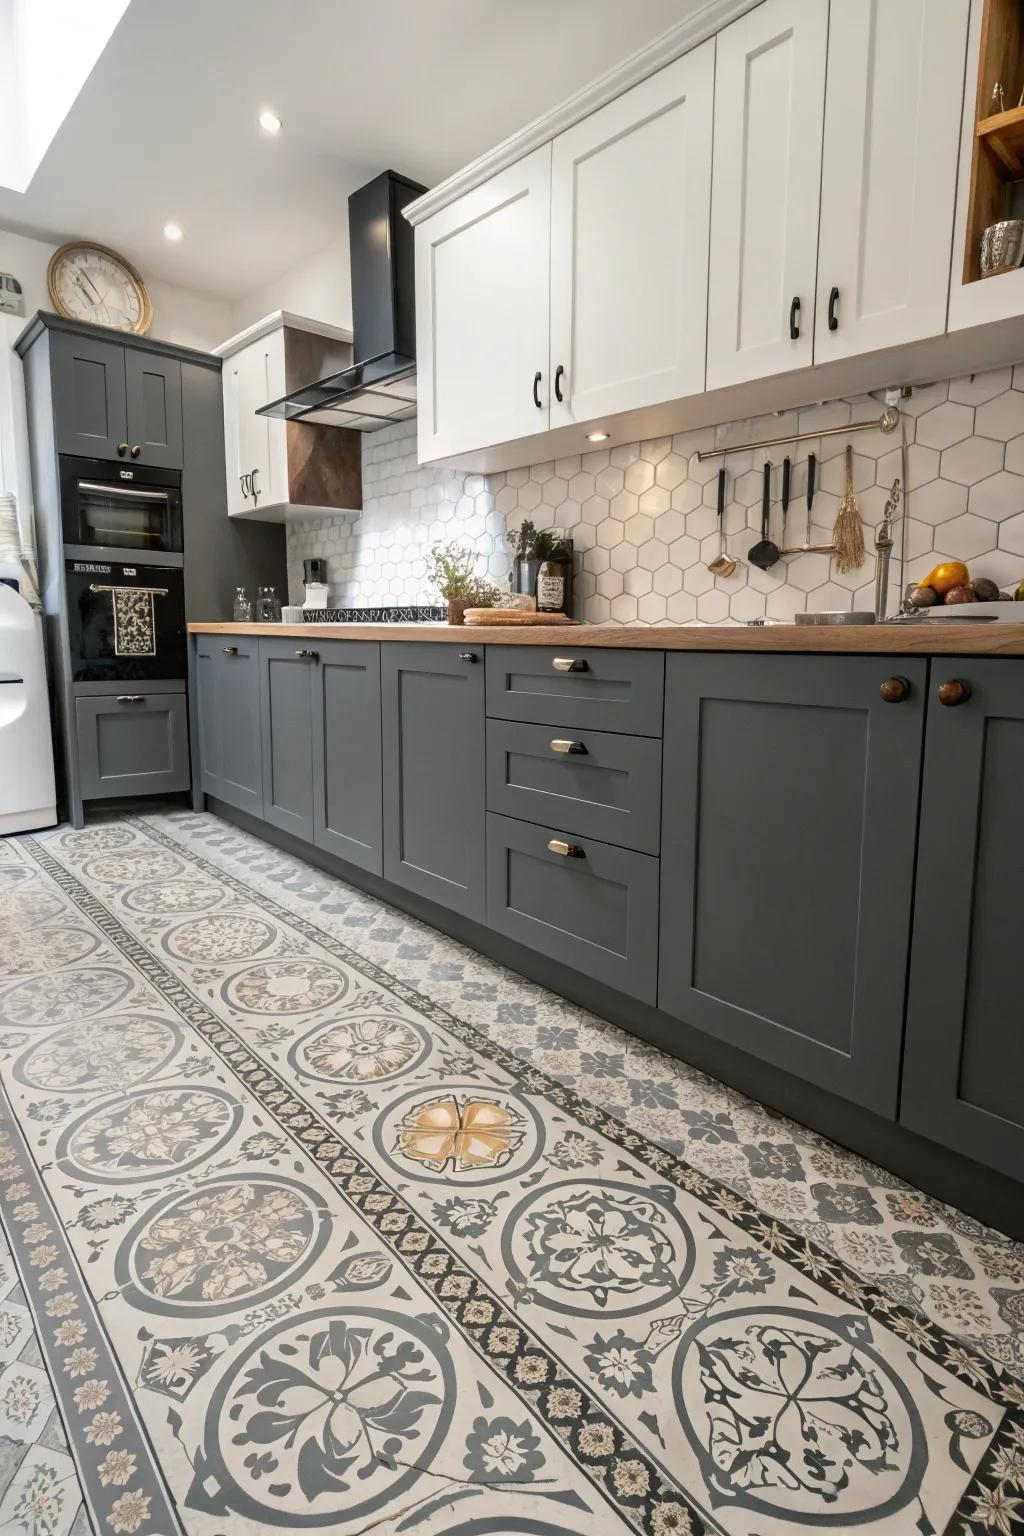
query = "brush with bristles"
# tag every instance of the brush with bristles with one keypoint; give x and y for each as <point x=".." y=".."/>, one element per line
<point x="848" y="533"/>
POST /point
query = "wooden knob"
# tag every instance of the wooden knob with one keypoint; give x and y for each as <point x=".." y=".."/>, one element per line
<point x="954" y="691"/>
<point x="894" y="690"/>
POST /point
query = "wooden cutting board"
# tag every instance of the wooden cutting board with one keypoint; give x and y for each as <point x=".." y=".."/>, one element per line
<point x="483" y="616"/>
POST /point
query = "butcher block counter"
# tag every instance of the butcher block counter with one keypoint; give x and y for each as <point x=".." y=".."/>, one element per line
<point x="928" y="637"/>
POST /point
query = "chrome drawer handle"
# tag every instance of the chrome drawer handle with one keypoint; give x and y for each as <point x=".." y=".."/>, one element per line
<point x="568" y="664"/>
<point x="230" y="650"/>
<point x="308" y="655"/>
<point x="567" y="850"/>
<point x="576" y="747"/>
<point x="131" y="698"/>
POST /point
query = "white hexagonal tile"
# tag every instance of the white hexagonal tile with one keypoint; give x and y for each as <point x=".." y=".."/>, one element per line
<point x="713" y="607"/>
<point x="671" y="471"/>
<point x="624" y="556"/>
<point x="746" y="605"/>
<point x="697" y="579"/>
<point x="670" y="526"/>
<point x="817" y="418"/>
<point x="529" y="496"/>
<point x="592" y="463"/>
<point x="639" y="476"/>
<point x="966" y="536"/>
<point x="541" y="472"/>
<point x="623" y="505"/>
<point x="833" y="474"/>
<point x="624" y="608"/>
<point x="918" y="538"/>
<point x="610" y="532"/>
<point x="597" y="559"/>
<point x="767" y="581"/>
<point x="585" y="585"/>
<point x="639" y="528"/>
<point x="609" y="583"/>
<point x="655" y="449"/>
<point x="555" y="491"/>
<point x="684" y="552"/>
<point x="784" y="602"/>
<point x="808" y="571"/>
<point x="703" y="470"/>
<point x="1011" y="534"/>
<point x="1015" y="454"/>
<point x="976" y="388"/>
<point x="668" y="579"/>
<point x="651" y="609"/>
<point x="924" y="398"/>
<point x="972" y="460"/>
<point x="705" y="519"/>
<point x="747" y="489"/>
<point x="681" y="608"/>
<point x="581" y="487"/>
<point x="1001" y="495"/>
<point x="922" y="466"/>
<point x="937" y="502"/>
<point x="829" y="598"/>
<point x="1001" y="418"/>
<point x="654" y="501"/>
<point x="625" y="454"/>
<point x="688" y="496"/>
<point x="944" y="424"/>
<point x="653" y="554"/>
<point x="568" y="467"/>
<point x="507" y="499"/>
<point x="595" y="511"/>
<point x="1003" y="566"/>
<point x="638" y="581"/>
<point x="597" y="610"/>
<point x="609" y="482"/>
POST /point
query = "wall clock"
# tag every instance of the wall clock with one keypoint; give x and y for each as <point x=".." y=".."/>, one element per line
<point x="90" y="282"/>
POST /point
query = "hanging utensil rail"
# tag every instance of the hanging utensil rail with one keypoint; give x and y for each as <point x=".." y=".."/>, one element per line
<point x="887" y="422"/>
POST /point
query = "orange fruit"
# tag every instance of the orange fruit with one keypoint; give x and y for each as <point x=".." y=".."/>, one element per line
<point x="950" y="574"/>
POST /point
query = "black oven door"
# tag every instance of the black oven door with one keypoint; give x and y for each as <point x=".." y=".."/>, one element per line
<point x="114" y="507"/>
<point x="125" y="622"/>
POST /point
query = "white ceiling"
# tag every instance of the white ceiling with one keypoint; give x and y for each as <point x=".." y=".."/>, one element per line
<point x="165" y="126"/>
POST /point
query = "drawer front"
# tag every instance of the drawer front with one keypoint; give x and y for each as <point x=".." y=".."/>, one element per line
<point x="592" y="689"/>
<point x="132" y="744"/>
<point x="591" y="783"/>
<point x="596" y="912"/>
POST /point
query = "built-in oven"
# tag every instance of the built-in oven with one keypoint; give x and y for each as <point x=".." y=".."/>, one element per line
<point x="125" y="621"/>
<point x="117" y="506"/>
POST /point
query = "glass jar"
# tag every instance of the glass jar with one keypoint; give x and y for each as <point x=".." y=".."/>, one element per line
<point x="268" y="606"/>
<point x="241" y="611"/>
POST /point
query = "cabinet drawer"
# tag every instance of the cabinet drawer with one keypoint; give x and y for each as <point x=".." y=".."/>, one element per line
<point x="132" y="744"/>
<point x="591" y="783"/>
<point x="596" y="911"/>
<point x="569" y="686"/>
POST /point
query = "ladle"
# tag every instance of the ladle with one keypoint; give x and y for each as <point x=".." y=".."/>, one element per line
<point x="722" y="564"/>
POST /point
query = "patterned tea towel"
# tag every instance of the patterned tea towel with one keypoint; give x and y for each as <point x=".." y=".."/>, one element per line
<point x="134" y="626"/>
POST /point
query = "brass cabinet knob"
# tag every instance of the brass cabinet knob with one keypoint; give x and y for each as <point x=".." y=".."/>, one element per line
<point x="567" y="850"/>
<point x="954" y="691"/>
<point x="894" y="690"/>
<point x="136" y="450"/>
<point x="574" y="747"/>
<point x="568" y="664"/>
<point x="122" y="449"/>
<point x="130" y="698"/>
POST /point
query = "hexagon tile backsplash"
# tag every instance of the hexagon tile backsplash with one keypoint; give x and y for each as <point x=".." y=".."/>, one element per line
<point x="643" y="519"/>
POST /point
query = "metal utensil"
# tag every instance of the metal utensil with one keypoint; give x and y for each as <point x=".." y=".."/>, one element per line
<point x="812" y="477"/>
<point x="765" y="554"/>
<point x="722" y="564"/>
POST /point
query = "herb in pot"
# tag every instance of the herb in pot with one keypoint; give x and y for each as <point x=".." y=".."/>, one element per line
<point x="450" y="568"/>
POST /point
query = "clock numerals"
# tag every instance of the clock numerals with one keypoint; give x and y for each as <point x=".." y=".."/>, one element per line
<point x="90" y="283"/>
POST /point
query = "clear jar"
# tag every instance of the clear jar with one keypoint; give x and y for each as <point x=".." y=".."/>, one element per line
<point x="268" y="606"/>
<point x="241" y="610"/>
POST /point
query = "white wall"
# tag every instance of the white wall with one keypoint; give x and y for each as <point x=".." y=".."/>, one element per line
<point x="318" y="287"/>
<point x="179" y="314"/>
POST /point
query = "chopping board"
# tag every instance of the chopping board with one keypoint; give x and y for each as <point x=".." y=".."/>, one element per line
<point x="482" y="616"/>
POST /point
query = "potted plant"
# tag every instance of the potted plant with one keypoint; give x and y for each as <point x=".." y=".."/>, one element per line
<point x="530" y="546"/>
<point x="451" y="570"/>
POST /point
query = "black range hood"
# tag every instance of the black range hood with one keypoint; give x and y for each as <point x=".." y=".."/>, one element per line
<point x="380" y="386"/>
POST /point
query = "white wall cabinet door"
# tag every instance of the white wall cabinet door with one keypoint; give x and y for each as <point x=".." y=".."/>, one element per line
<point x="630" y="214"/>
<point x="888" y="188"/>
<point x="769" y="100"/>
<point x="482" y="298"/>
<point x="253" y="377"/>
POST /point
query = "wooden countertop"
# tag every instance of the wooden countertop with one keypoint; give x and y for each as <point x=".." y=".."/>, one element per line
<point x="930" y="637"/>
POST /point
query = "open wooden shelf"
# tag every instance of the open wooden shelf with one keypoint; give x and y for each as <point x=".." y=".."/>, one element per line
<point x="998" y="162"/>
<point x="1004" y="136"/>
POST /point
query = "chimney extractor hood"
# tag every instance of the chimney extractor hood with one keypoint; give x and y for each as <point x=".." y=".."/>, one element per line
<point x="380" y="386"/>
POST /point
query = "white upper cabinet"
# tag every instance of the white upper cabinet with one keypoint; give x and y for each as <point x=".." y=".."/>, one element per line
<point x="888" y="188"/>
<point x="630" y="211"/>
<point x="254" y="445"/>
<point x="769" y="98"/>
<point x="482" y="294"/>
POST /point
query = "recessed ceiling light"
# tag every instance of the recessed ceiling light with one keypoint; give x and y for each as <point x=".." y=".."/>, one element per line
<point x="597" y="437"/>
<point x="172" y="231"/>
<point x="269" y="121"/>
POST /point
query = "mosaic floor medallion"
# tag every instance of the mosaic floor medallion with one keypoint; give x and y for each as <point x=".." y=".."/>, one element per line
<point x="308" y="1250"/>
<point x="31" y="951"/>
<point x="27" y="908"/>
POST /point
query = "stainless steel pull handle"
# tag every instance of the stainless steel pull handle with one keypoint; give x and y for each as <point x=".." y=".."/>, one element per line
<point x="568" y="664"/>
<point x="230" y="650"/>
<point x="574" y="747"/>
<point x="567" y="850"/>
<point x="467" y="656"/>
<point x="130" y="698"/>
<point x="309" y="655"/>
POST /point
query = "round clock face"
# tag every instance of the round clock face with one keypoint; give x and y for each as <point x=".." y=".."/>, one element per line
<point x="88" y="282"/>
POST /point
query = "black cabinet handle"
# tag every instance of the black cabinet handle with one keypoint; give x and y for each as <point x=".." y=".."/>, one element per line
<point x="254" y="482"/>
<point x="122" y="449"/>
<point x="136" y="450"/>
<point x="559" y="375"/>
<point x="536" y="389"/>
<point x="833" y="300"/>
<point x="467" y="656"/>
<point x="245" y="481"/>
<point x="794" y="320"/>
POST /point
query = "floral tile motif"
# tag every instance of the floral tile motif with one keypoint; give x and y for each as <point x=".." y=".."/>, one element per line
<point x="365" y="1264"/>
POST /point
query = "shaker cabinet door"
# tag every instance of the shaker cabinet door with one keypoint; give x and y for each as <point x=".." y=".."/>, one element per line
<point x="482" y="298"/>
<point x="769" y="96"/>
<point x="347" y="752"/>
<point x="88" y="396"/>
<point x="630" y="211"/>
<point x="790" y="793"/>
<point x="432" y="709"/>
<point x="153" y="386"/>
<point x="228" y="694"/>
<point x="286" y="719"/>
<point x="963" y="1071"/>
<point x="892" y="126"/>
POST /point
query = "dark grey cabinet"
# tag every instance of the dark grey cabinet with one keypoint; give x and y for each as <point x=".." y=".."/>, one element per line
<point x="89" y="396"/>
<point x="132" y="744"/>
<point x="153" y="401"/>
<point x="432" y="716"/>
<point x="116" y="401"/>
<point x="228" y="695"/>
<point x="790" y="798"/>
<point x="963" y="1075"/>
<point x="286" y="727"/>
<point x="347" y="786"/>
<point x="583" y="688"/>
<point x="582" y="902"/>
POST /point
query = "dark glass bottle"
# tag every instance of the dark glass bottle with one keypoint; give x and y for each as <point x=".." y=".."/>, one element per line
<point x="554" y="581"/>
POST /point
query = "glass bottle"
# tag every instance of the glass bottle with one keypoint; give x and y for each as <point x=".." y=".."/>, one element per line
<point x="268" y="606"/>
<point x="241" y="611"/>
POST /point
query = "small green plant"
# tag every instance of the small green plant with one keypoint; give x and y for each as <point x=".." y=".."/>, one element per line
<point x="530" y="542"/>
<point x="451" y="570"/>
